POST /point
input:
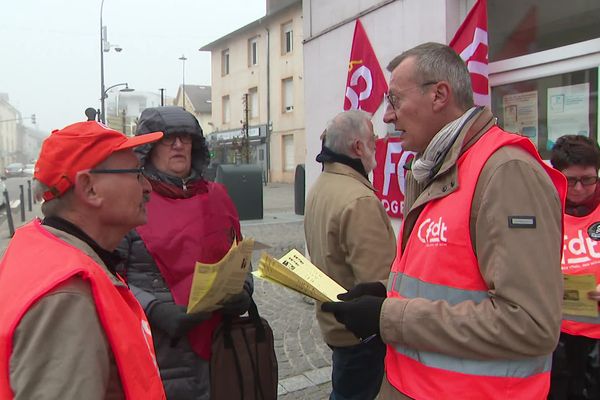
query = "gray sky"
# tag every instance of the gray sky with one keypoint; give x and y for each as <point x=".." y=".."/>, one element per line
<point x="50" y="49"/>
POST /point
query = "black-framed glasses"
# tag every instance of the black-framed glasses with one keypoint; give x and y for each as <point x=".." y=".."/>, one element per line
<point x="392" y="98"/>
<point x="584" y="180"/>
<point x="138" y="171"/>
<point x="168" y="140"/>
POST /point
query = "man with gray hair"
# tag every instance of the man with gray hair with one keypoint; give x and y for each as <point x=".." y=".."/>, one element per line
<point x="349" y="237"/>
<point x="473" y="301"/>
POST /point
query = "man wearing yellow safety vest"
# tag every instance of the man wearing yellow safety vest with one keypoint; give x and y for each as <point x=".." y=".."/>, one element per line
<point x="474" y="296"/>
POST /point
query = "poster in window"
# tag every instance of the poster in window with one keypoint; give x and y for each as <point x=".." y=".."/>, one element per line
<point x="568" y="111"/>
<point x="521" y="114"/>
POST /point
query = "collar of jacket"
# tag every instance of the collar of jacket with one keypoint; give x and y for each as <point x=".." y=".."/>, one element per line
<point x="327" y="155"/>
<point x="342" y="169"/>
<point x="445" y="180"/>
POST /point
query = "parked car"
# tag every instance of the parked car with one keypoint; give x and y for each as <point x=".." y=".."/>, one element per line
<point x="14" y="169"/>
<point x="28" y="170"/>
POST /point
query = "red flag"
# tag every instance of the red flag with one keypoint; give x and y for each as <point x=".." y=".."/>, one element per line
<point x="389" y="174"/>
<point x="471" y="43"/>
<point x="366" y="85"/>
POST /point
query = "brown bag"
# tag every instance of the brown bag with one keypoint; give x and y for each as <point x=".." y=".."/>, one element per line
<point x="243" y="363"/>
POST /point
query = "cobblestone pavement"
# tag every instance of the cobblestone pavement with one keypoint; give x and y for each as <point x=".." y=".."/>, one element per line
<point x="304" y="359"/>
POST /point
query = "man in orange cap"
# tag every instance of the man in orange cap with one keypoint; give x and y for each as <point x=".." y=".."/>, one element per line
<point x="69" y="326"/>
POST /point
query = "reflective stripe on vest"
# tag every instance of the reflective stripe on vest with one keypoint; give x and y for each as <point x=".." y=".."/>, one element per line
<point x="581" y="255"/>
<point x="438" y="263"/>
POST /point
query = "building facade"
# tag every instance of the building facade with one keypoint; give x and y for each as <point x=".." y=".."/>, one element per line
<point x="258" y="93"/>
<point x="124" y="109"/>
<point x="198" y="101"/>
<point x="11" y="143"/>
<point x="544" y="57"/>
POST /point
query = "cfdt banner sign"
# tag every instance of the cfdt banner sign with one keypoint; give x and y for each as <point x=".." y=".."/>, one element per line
<point x="389" y="175"/>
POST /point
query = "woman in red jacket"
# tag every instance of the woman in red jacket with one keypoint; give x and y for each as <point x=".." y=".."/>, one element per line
<point x="575" y="373"/>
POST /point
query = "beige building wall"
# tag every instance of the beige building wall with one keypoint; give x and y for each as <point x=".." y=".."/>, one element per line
<point x="243" y="76"/>
<point x="9" y="129"/>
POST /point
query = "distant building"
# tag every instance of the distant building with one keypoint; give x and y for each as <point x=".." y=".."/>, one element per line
<point x="198" y="102"/>
<point x="10" y="133"/>
<point x="257" y="88"/>
<point x="124" y="109"/>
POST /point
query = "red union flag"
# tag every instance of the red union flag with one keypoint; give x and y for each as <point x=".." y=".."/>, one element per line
<point x="389" y="174"/>
<point x="365" y="85"/>
<point x="471" y="43"/>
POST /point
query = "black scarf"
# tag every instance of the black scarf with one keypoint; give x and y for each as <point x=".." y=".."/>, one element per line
<point x="327" y="155"/>
<point x="111" y="259"/>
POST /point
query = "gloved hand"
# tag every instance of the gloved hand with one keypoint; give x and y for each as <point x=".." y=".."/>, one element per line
<point x="360" y="316"/>
<point x="237" y="304"/>
<point x="173" y="318"/>
<point x="376" y="289"/>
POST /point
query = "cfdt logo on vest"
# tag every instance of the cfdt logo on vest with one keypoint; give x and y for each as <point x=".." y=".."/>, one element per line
<point x="433" y="232"/>
<point x="580" y="251"/>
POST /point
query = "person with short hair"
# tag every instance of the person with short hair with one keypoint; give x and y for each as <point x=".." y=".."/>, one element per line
<point x="350" y="238"/>
<point x="474" y="296"/>
<point x="69" y="326"/>
<point x="573" y="375"/>
<point x="190" y="220"/>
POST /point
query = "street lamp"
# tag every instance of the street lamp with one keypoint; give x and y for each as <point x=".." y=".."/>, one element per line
<point x="104" y="47"/>
<point x="182" y="58"/>
<point x="105" y="95"/>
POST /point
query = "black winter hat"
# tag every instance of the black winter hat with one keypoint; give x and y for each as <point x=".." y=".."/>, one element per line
<point x="171" y="120"/>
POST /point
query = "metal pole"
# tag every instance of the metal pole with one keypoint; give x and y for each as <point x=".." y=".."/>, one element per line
<point x="102" y="109"/>
<point x="162" y="96"/>
<point x="22" y="198"/>
<point x="29" y="194"/>
<point x="182" y="58"/>
<point x="11" y="225"/>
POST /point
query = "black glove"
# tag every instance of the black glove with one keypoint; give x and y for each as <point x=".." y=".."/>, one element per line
<point x="237" y="305"/>
<point x="376" y="289"/>
<point x="173" y="318"/>
<point x="360" y="316"/>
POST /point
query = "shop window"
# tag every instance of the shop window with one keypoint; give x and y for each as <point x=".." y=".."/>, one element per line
<point x="546" y="108"/>
<point x="519" y="27"/>
<point x="288" y="152"/>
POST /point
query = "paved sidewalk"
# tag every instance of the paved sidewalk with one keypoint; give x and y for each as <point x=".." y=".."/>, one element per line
<point x="304" y="359"/>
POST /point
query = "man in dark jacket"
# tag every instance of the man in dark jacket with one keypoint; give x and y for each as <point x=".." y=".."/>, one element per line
<point x="189" y="219"/>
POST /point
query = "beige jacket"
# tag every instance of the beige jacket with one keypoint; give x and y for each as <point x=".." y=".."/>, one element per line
<point x="348" y="236"/>
<point x="520" y="266"/>
<point x="60" y="350"/>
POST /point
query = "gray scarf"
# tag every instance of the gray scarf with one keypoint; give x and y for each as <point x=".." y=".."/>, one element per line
<point x="425" y="166"/>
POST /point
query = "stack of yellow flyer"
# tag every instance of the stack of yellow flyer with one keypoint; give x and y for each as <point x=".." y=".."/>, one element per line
<point x="295" y="272"/>
<point x="214" y="283"/>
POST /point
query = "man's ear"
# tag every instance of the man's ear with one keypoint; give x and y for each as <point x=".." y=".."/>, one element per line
<point x="441" y="95"/>
<point x="85" y="189"/>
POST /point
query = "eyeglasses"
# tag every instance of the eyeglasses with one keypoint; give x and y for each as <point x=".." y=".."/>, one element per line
<point x="585" y="180"/>
<point x="138" y="171"/>
<point x="168" y="140"/>
<point x="393" y="99"/>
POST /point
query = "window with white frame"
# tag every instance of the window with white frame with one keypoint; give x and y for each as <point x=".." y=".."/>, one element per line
<point x="226" y="104"/>
<point x="253" y="102"/>
<point x="287" y="38"/>
<point x="287" y="95"/>
<point x="225" y="62"/>
<point x="288" y="152"/>
<point x="253" y="51"/>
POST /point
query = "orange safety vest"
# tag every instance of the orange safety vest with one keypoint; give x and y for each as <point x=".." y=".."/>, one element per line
<point x="581" y="255"/>
<point x="37" y="262"/>
<point x="438" y="263"/>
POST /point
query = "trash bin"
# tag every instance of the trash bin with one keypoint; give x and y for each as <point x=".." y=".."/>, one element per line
<point x="299" y="189"/>
<point x="244" y="185"/>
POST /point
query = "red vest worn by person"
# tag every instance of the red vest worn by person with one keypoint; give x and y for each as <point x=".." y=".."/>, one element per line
<point x="438" y="263"/>
<point x="37" y="262"/>
<point x="180" y="232"/>
<point x="581" y="255"/>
